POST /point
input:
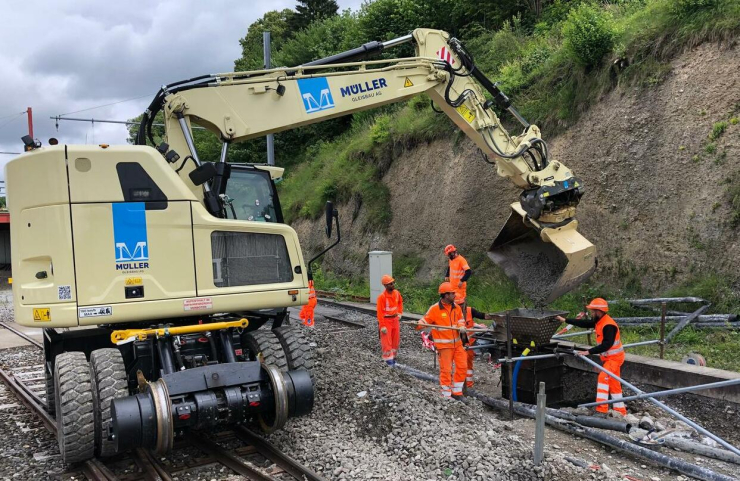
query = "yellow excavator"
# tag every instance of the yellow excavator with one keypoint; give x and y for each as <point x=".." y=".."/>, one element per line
<point x="172" y="264"/>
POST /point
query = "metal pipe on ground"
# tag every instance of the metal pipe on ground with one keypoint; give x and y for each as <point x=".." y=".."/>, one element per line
<point x="679" y="465"/>
<point x="689" y="446"/>
<point x="658" y="300"/>
<point x="662" y="406"/>
<point x="685" y="322"/>
<point x="674" y="317"/>
<point x="669" y="392"/>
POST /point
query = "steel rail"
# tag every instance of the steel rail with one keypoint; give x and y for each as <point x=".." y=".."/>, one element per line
<point x="271" y="452"/>
<point x="228" y="459"/>
<point x="22" y="334"/>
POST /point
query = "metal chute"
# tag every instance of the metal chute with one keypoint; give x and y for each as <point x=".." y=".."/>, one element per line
<point x="544" y="262"/>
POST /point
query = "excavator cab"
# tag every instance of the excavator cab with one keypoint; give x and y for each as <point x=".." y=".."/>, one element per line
<point x="545" y="261"/>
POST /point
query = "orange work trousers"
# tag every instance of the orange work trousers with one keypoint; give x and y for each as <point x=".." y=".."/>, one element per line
<point x="609" y="386"/>
<point x="447" y="356"/>
<point x="390" y="339"/>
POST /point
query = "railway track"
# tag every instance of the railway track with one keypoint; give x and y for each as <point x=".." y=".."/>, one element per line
<point x="239" y="449"/>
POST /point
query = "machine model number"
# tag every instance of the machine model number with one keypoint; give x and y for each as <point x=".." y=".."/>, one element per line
<point x="97" y="311"/>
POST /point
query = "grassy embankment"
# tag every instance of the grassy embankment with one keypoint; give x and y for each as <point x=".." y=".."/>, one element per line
<point x="552" y="80"/>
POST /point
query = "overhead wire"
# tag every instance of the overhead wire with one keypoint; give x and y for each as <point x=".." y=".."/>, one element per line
<point x="106" y="105"/>
<point x="12" y="120"/>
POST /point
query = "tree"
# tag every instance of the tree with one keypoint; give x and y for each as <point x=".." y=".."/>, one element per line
<point x="277" y="23"/>
<point x="309" y="11"/>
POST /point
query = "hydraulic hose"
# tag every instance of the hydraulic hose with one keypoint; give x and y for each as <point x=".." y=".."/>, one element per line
<point x="515" y="376"/>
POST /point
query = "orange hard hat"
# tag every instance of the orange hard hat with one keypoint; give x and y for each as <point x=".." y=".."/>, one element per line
<point x="598" y="304"/>
<point x="446" y="287"/>
<point x="386" y="279"/>
<point x="449" y="248"/>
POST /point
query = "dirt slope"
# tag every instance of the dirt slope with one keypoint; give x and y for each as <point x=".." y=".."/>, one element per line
<point x="654" y="211"/>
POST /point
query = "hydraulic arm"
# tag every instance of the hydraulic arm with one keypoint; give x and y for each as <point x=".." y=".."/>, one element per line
<point x="538" y="247"/>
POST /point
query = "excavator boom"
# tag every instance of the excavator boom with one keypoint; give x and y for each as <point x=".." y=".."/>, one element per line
<point x="539" y="247"/>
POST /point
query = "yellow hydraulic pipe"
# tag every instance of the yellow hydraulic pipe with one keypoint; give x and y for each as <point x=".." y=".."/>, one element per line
<point x="141" y="334"/>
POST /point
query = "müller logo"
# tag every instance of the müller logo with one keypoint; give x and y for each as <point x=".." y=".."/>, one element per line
<point x="130" y="236"/>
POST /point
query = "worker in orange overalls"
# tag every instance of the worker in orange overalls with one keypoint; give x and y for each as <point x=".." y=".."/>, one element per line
<point x="470" y="314"/>
<point x="609" y="347"/>
<point x="458" y="273"/>
<point x="306" y="315"/>
<point x="448" y="342"/>
<point x="390" y="309"/>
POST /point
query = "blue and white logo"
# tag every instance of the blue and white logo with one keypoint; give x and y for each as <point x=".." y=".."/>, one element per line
<point x="129" y="232"/>
<point x="316" y="94"/>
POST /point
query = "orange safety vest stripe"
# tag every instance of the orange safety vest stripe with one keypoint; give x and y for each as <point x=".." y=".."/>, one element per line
<point x="616" y="349"/>
<point x="441" y="314"/>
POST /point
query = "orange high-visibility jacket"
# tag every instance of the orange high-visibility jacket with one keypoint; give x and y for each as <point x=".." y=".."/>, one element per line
<point x="440" y="314"/>
<point x="616" y="352"/>
<point x="458" y="266"/>
<point x="390" y="306"/>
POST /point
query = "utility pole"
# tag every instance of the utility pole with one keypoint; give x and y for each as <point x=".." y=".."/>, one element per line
<point x="268" y="65"/>
<point x="29" y="111"/>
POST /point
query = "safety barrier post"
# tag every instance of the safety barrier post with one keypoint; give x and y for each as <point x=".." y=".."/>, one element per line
<point x="539" y="430"/>
<point x="510" y="367"/>
<point x="662" y="329"/>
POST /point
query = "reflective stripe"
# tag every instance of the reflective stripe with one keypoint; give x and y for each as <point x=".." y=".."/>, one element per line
<point x="470" y="371"/>
<point x="605" y="387"/>
<point x="618" y="405"/>
<point x="459" y="384"/>
<point x="611" y="352"/>
<point x="602" y="396"/>
<point x="446" y="394"/>
<point x="446" y="341"/>
<point x="616" y="395"/>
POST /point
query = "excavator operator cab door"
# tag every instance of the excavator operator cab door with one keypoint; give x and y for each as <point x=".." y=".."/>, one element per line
<point x="253" y="195"/>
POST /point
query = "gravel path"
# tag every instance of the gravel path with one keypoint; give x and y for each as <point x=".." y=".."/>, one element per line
<point x="369" y="422"/>
<point x="373" y="422"/>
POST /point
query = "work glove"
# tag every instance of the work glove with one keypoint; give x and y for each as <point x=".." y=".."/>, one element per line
<point x="384" y="330"/>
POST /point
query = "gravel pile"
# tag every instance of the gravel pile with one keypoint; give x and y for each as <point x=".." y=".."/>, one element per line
<point x="374" y="422"/>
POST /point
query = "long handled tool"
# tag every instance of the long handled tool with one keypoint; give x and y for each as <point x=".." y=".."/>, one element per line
<point x="449" y="328"/>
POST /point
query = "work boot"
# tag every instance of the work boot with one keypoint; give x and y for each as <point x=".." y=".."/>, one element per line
<point x="457" y="397"/>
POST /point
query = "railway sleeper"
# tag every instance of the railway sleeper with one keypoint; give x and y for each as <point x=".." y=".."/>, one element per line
<point x="146" y="392"/>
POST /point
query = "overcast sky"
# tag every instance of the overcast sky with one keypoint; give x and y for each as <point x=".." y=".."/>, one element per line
<point x="63" y="56"/>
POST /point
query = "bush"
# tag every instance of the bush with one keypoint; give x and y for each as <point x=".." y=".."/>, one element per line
<point x="589" y="34"/>
<point x="686" y="8"/>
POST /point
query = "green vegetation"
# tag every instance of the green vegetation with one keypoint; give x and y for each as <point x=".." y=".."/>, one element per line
<point x="554" y="64"/>
<point x="717" y="130"/>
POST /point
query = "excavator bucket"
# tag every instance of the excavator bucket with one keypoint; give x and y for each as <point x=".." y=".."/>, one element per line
<point x="546" y="263"/>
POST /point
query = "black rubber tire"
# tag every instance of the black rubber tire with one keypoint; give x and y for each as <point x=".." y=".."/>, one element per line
<point x="263" y="342"/>
<point x="297" y="349"/>
<point x="74" y="407"/>
<point x="51" y="403"/>
<point x="108" y="376"/>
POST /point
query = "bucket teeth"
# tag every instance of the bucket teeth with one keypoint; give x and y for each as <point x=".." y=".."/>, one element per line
<point x="544" y="262"/>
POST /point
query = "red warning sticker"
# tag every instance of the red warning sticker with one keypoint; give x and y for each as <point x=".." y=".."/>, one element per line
<point x="197" y="304"/>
